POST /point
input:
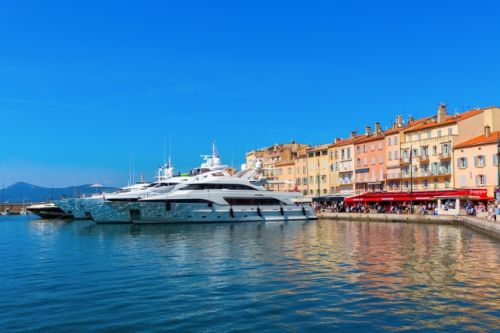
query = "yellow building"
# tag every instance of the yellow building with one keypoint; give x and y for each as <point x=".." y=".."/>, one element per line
<point x="318" y="165"/>
<point x="476" y="162"/>
<point x="426" y="155"/>
<point x="302" y="173"/>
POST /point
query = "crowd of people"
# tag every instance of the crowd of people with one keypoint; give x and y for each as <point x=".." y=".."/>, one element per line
<point x="429" y="208"/>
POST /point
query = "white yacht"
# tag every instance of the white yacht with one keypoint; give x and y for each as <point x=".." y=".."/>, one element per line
<point x="217" y="199"/>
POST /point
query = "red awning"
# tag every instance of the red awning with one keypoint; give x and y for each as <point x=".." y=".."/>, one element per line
<point x="481" y="194"/>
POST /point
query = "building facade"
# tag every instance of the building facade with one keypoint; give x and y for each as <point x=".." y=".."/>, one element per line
<point x="476" y="162"/>
<point x="370" y="162"/>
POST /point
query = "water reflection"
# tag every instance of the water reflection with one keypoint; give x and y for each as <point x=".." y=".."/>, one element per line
<point x="305" y="276"/>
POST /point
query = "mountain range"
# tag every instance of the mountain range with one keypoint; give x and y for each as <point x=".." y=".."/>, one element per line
<point x="28" y="193"/>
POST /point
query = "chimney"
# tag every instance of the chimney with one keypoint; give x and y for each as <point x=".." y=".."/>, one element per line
<point x="411" y="119"/>
<point x="399" y="121"/>
<point x="368" y="131"/>
<point x="353" y="134"/>
<point x="337" y="140"/>
<point x="378" y="129"/>
<point x="487" y="131"/>
<point x="441" y="115"/>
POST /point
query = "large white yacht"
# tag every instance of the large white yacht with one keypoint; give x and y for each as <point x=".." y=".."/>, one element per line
<point x="217" y="199"/>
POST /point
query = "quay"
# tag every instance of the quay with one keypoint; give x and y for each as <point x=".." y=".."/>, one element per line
<point x="480" y="224"/>
<point x="13" y="208"/>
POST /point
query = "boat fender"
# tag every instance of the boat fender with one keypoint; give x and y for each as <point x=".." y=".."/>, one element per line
<point x="210" y="204"/>
<point x="259" y="213"/>
<point x="303" y="211"/>
<point x="231" y="212"/>
<point x="168" y="206"/>
<point x="282" y="211"/>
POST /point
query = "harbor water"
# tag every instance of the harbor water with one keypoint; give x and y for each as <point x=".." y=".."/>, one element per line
<point x="76" y="276"/>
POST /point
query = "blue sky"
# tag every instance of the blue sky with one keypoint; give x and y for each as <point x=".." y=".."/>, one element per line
<point x="85" y="84"/>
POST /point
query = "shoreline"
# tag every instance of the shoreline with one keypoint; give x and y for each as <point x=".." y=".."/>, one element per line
<point x="489" y="228"/>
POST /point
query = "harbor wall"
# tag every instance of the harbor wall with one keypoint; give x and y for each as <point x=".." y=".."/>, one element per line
<point x="490" y="228"/>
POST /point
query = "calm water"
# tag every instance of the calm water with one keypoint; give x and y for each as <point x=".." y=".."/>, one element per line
<point x="304" y="276"/>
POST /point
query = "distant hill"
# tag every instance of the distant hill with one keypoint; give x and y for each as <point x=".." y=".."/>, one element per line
<point x="24" y="192"/>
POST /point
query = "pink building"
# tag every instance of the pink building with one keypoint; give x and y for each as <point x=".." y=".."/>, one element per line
<point x="370" y="161"/>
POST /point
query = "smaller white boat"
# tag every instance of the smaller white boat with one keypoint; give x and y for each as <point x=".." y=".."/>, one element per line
<point x="48" y="211"/>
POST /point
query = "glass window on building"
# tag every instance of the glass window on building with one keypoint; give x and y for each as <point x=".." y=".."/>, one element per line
<point x="434" y="150"/>
<point x="429" y="135"/>
<point x="425" y="183"/>
<point x="463" y="181"/>
<point x="373" y="160"/>
<point x="396" y="154"/>
<point x="435" y="183"/>
<point x="450" y="131"/>
<point x="481" y="180"/>
<point x="495" y="159"/>
<point x="389" y="142"/>
<point x="462" y="162"/>
<point x="439" y="133"/>
<point x="380" y="159"/>
<point x="479" y="161"/>
<point x="395" y="140"/>
<point x="446" y="183"/>
<point x="389" y="156"/>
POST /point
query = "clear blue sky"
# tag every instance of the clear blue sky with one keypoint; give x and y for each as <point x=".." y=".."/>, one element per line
<point x="83" y="84"/>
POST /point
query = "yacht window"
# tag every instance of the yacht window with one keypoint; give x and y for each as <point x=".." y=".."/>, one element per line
<point x="218" y="187"/>
<point x="253" y="201"/>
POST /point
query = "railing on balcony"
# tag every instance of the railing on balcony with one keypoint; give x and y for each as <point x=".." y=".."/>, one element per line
<point x="423" y="158"/>
<point x="444" y="156"/>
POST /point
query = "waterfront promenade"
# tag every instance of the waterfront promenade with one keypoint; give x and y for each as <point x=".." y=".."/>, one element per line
<point x="480" y="224"/>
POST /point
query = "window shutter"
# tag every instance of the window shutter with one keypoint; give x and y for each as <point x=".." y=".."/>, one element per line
<point x="484" y="180"/>
<point x="475" y="163"/>
<point x="465" y="162"/>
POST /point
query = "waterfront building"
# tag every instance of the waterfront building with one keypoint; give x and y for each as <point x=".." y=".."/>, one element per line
<point x="318" y="164"/>
<point x="346" y="164"/>
<point x="274" y="161"/>
<point x="369" y="156"/>
<point x="476" y="162"/>
<point x="283" y="177"/>
<point x="333" y="154"/>
<point x="426" y="156"/>
<point x="302" y="173"/>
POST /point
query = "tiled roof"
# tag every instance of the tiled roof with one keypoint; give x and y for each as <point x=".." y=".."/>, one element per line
<point x="370" y="138"/>
<point x="449" y="120"/>
<point x="479" y="140"/>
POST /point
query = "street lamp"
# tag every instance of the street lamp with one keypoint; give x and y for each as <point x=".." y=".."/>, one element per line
<point x="411" y="179"/>
<point x="498" y="163"/>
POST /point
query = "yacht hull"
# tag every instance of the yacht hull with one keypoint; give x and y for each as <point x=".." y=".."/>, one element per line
<point x="152" y="213"/>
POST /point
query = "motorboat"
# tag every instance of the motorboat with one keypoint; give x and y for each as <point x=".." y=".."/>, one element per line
<point x="48" y="211"/>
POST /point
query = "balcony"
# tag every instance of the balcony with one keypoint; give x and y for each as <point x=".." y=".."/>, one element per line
<point x="423" y="158"/>
<point x="404" y="160"/>
<point x="395" y="175"/>
<point x="444" y="156"/>
<point x="346" y="182"/>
